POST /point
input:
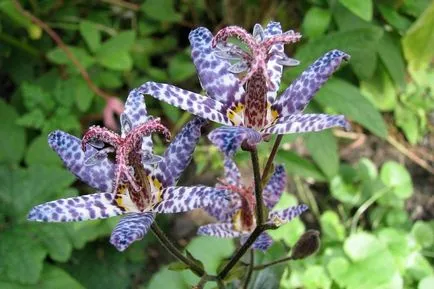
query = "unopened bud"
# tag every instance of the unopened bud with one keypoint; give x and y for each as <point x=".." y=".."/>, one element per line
<point x="307" y="245"/>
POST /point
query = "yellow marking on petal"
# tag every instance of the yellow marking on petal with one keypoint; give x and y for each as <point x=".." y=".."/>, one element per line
<point x="124" y="201"/>
<point x="277" y="221"/>
<point x="156" y="189"/>
<point x="236" y="221"/>
<point x="235" y="114"/>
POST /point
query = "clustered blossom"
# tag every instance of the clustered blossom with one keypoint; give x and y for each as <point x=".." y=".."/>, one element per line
<point x="241" y="87"/>
<point x="238" y="219"/>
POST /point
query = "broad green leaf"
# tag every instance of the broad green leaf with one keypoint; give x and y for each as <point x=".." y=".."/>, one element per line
<point x="380" y="90"/>
<point x="367" y="170"/>
<point x="58" y="56"/>
<point x="426" y="283"/>
<point x="345" y="192"/>
<point x="55" y="239"/>
<point x="90" y="34"/>
<point x="418" y="267"/>
<point x="35" y="97"/>
<point x="323" y="148"/>
<point x="161" y="10"/>
<point x="423" y="233"/>
<point x="338" y="268"/>
<point x="361" y="8"/>
<point x="360" y="44"/>
<point x="8" y="8"/>
<point x="419" y="39"/>
<point x="415" y="7"/>
<point x="332" y="227"/>
<point x="51" y="278"/>
<point x="39" y="152"/>
<point x="109" y="79"/>
<point x="397" y="243"/>
<point x="346" y="20"/>
<point x="316" y="277"/>
<point x="316" y="22"/>
<point x="362" y="245"/>
<point x="114" y="53"/>
<point x="83" y="95"/>
<point x="21" y="257"/>
<point x="33" y="119"/>
<point x="165" y="278"/>
<point x="408" y="121"/>
<point x="13" y="136"/>
<point x="346" y="99"/>
<point x="171" y="112"/>
<point x="389" y="50"/>
<point x="296" y="165"/>
<point x="391" y="15"/>
<point x="396" y="176"/>
<point x="266" y="279"/>
<point x="181" y="68"/>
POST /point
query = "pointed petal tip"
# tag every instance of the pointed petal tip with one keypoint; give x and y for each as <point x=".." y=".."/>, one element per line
<point x="199" y="35"/>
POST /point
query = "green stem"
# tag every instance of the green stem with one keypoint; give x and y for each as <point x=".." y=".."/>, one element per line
<point x="258" y="188"/>
<point x="250" y="270"/>
<point x="164" y="240"/>
<point x="279" y="261"/>
<point x="270" y="160"/>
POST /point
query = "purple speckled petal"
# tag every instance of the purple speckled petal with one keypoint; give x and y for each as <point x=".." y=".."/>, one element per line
<point x="134" y="115"/>
<point x="213" y="72"/>
<point x="131" y="228"/>
<point x="230" y="138"/>
<point x="262" y="243"/>
<point x="223" y="230"/>
<point x="179" y="153"/>
<point x="98" y="175"/>
<point x="194" y="103"/>
<point x="88" y="207"/>
<point x="275" y="187"/>
<point x="232" y="174"/>
<point x="183" y="199"/>
<point x="298" y="123"/>
<point x="298" y="95"/>
<point x="281" y="217"/>
<point x="224" y="212"/>
<point x="274" y="69"/>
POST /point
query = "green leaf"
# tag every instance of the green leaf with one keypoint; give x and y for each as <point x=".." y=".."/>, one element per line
<point x="178" y="266"/>
<point x="316" y="277"/>
<point x="51" y="278"/>
<point x="109" y="79"/>
<point x="423" y="233"/>
<point x="181" y="67"/>
<point x="392" y="58"/>
<point x="363" y="9"/>
<point x="83" y="94"/>
<point x="13" y="136"/>
<point x="114" y="53"/>
<point x="39" y="152"/>
<point x="408" y="121"/>
<point x="58" y="56"/>
<point x="344" y="191"/>
<point x="165" y="278"/>
<point x="332" y="226"/>
<point x="161" y="10"/>
<point x="316" y="22"/>
<point x="426" y="283"/>
<point x="323" y="148"/>
<point x="391" y="15"/>
<point x="380" y="90"/>
<point x="346" y="99"/>
<point x="419" y="39"/>
<point x="294" y="164"/>
<point x="396" y="176"/>
<point x="35" y="97"/>
<point x="90" y="34"/>
<point x="367" y="170"/>
<point x="360" y="44"/>
<point x="21" y="259"/>
<point x="33" y="119"/>
<point x="171" y="112"/>
<point x="8" y="8"/>
<point x="418" y="267"/>
<point x="362" y="245"/>
<point x="55" y="239"/>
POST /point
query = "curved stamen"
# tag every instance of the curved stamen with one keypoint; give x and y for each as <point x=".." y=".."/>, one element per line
<point x="239" y="33"/>
<point x="97" y="133"/>
<point x="285" y="38"/>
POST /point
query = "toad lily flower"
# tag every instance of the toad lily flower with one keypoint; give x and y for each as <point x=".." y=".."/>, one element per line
<point x="136" y="184"/>
<point x="243" y="95"/>
<point x="238" y="219"/>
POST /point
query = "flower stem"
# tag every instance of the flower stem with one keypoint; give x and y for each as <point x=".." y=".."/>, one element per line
<point x="258" y="188"/>
<point x="250" y="270"/>
<point x="270" y="160"/>
<point x="278" y="261"/>
<point x="164" y="240"/>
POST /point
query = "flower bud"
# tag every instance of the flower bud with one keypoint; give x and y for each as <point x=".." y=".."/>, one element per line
<point x="307" y="245"/>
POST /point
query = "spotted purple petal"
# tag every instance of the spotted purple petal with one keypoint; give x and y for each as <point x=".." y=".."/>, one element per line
<point x="275" y="187"/>
<point x="284" y="216"/>
<point x="232" y="174"/>
<point x="98" y="175"/>
<point x="194" y="103"/>
<point x="89" y="207"/>
<point x="183" y="199"/>
<point x="298" y="123"/>
<point x="274" y="69"/>
<point x="230" y="138"/>
<point x="262" y="243"/>
<point x="213" y="72"/>
<point x="222" y="230"/>
<point x="179" y="153"/>
<point x="131" y="228"/>
<point x="297" y="96"/>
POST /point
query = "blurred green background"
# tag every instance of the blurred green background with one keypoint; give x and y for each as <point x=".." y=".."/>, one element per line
<point x="370" y="190"/>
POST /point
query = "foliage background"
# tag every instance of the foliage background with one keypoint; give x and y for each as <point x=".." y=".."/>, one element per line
<point x="370" y="191"/>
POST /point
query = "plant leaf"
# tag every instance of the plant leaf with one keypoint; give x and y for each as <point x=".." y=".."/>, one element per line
<point x="363" y="9"/>
<point x="13" y="141"/>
